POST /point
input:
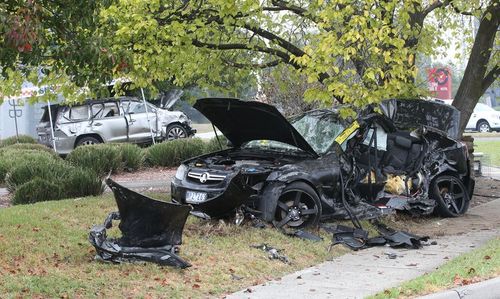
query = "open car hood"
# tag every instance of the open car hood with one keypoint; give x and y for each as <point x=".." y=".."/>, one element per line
<point x="243" y="121"/>
<point x="169" y="98"/>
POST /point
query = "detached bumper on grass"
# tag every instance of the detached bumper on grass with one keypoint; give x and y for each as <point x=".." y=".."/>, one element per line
<point x="151" y="230"/>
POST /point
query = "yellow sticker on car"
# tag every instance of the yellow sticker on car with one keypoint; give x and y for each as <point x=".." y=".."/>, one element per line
<point x="347" y="132"/>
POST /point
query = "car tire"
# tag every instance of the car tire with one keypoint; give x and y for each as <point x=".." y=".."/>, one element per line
<point x="450" y="195"/>
<point x="483" y="126"/>
<point x="175" y="132"/>
<point x="88" y="140"/>
<point x="298" y="206"/>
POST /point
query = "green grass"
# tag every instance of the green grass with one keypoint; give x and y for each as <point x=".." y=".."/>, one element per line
<point x="491" y="149"/>
<point x="45" y="253"/>
<point x="480" y="264"/>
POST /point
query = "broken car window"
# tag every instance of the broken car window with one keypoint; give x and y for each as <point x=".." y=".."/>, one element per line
<point x="381" y="138"/>
<point x="79" y="112"/>
<point x="319" y="129"/>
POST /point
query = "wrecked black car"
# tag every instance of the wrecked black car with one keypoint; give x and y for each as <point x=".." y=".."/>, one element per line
<point x="317" y="165"/>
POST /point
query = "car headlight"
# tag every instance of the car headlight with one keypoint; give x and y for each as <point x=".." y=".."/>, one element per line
<point x="181" y="172"/>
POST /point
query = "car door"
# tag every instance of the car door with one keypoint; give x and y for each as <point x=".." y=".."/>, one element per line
<point x="108" y="122"/>
<point x="139" y="121"/>
<point x="474" y="117"/>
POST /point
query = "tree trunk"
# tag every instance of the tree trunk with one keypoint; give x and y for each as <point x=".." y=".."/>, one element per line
<point x="474" y="82"/>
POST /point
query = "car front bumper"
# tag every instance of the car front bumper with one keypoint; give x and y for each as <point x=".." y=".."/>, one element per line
<point x="221" y="199"/>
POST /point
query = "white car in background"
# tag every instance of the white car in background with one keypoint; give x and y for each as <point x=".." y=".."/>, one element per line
<point x="484" y="119"/>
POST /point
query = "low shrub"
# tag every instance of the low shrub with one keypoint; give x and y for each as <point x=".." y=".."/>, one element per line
<point x="82" y="182"/>
<point x="213" y="145"/>
<point x="132" y="156"/>
<point x="101" y="158"/>
<point x="29" y="147"/>
<point x="13" y="140"/>
<point x="4" y="168"/>
<point x="11" y="157"/>
<point x="65" y="181"/>
<point x="37" y="190"/>
<point x="50" y="170"/>
<point x="172" y="153"/>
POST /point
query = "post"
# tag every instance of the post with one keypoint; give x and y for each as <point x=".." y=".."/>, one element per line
<point x="13" y="104"/>
<point x="147" y="116"/>
<point x="51" y="126"/>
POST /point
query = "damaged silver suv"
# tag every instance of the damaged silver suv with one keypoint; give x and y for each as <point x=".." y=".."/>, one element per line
<point x="124" y="119"/>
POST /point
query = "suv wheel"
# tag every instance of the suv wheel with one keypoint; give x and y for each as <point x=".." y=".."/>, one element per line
<point x="176" y="132"/>
<point x="483" y="126"/>
<point x="87" y="141"/>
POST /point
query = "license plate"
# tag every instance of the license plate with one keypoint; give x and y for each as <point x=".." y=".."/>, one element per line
<point x="195" y="197"/>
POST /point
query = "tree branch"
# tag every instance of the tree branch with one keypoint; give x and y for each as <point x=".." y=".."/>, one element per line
<point x="252" y="65"/>
<point x="490" y="78"/>
<point x="280" y="5"/>
<point x="275" y="38"/>
<point x="240" y="46"/>
<point x="433" y="6"/>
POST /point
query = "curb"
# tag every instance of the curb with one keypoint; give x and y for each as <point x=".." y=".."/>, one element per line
<point x="489" y="289"/>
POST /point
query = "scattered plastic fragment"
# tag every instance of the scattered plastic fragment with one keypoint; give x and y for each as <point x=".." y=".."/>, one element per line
<point x="273" y="253"/>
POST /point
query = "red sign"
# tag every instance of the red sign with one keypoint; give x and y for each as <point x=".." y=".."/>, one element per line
<point x="439" y="80"/>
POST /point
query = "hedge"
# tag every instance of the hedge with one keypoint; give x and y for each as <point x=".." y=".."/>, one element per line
<point x="172" y="153"/>
<point x="13" y="140"/>
<point x="101" y="158"/>
<point x="11" y="156"/>
<point x="132" y="156"/>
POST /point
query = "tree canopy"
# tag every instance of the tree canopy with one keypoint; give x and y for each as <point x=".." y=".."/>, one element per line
<point x="352" y="52"/>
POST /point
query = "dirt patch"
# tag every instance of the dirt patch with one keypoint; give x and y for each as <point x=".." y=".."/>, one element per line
<point x="146" y="174"/>
<point x="5" y="200"/>
<point x="479" y="217"/>
<point x="486" y="190"/>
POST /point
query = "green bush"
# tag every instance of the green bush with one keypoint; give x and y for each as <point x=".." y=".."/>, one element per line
<point x="11" y="157"/>
<point x="213" y="145"/>
<point x="50" y="170"/>
<point x="172" y="153"/>
<point x="101" y="158"/>
<point x="82" y="182"/>
<point x="29" y="147"/>
<point x="132" y="156"/>
<point x="14" y="140"/>
<point x="4" y="168"/>
<point x="37" y="190"/>
<point x="65" y="181"/>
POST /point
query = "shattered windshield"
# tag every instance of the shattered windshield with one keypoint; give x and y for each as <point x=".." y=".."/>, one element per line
<point x="319" y="129"/>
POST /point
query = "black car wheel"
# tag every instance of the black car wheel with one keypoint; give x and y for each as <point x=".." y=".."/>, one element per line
<point x="483" y="126"/>
<point x="298" y="206"/>
<point x="176" y="132"/>
<point x="451" y="196"/>
<point x="87" y="141"/>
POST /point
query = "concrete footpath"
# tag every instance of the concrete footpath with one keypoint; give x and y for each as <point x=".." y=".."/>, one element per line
<point x="367" y="272"/>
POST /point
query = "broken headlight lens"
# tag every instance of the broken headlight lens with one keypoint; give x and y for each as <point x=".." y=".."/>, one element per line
<point x="181" y="172"/>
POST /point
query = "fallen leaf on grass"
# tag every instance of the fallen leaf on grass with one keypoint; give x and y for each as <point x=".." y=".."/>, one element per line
<point x="487" y="257"/>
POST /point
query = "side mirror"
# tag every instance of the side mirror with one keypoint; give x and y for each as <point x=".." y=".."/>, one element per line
<point x="229" y="144"/>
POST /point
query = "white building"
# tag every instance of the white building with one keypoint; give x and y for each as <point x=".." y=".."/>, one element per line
<point x="18" y="109"/>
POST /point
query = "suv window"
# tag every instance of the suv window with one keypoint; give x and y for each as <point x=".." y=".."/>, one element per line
<point x="79" y="112"/>
<point x="136" y="107"/>
<point x="104" y="110"/>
